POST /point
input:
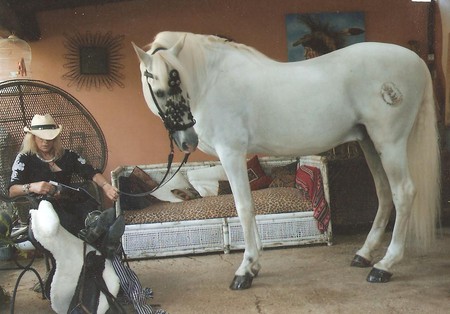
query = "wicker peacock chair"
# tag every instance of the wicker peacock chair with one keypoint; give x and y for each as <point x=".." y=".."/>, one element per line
<point x="20" y="100"/>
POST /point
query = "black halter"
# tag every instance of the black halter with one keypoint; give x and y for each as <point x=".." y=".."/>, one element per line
<point x="176" y="108"/>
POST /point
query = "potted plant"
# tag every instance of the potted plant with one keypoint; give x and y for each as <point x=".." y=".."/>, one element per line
<point x="5" y="232"/>
<point x="4" y="299"/>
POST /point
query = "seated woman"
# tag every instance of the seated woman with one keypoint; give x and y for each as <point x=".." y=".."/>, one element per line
<point x="43" y="159"/>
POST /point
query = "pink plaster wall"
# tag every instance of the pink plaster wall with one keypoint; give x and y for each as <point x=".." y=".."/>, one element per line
<point x="134" y="135"/>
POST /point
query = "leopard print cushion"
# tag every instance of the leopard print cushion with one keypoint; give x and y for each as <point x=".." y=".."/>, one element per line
<point x="267" y="201"/>
<point x="283" y="176"/>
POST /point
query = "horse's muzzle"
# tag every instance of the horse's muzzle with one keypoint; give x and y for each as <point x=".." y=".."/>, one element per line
<point x="187" y="140"/>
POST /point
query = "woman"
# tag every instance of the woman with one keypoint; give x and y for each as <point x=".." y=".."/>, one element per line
<point x="43" y="159"/>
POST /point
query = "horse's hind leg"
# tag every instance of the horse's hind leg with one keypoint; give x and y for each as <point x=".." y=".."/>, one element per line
<point x="395" y="162"/>
<point x="363" y="257"/>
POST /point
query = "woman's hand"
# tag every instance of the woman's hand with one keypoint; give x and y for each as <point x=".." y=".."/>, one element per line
<point x="111" y="192"/>
<point x="42" y="188"/>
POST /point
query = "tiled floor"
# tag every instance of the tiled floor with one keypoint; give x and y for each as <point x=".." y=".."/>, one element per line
<point x="314" y="279"/>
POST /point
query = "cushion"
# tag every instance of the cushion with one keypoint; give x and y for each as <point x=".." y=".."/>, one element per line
<point x="256" y="175"/>
<point x="186" y="194"/>
<point x="224" y="187"/>
<point x="143" y="179"/>
<point x="267" y="201"/>
<point x="309" y="178"/>
<point x="283" y="176"/>
<point x="131" y="185"/>
<point x="258" y="178"/>
<point x="206" y="180"/>
<point x="164" y="192"/>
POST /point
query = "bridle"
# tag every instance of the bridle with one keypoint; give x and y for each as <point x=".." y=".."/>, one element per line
<point x="176" y="108"/>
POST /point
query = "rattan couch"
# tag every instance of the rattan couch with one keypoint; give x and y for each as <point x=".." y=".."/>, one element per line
<point x="209" y="224"/>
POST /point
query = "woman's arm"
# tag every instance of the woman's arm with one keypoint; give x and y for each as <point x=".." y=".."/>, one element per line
<point x="87" y="171"/>
<point x="41" y="187"/>
<point x="111" y="192"/>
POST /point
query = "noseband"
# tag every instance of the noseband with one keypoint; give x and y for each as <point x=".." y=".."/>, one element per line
<point x="176" y="106"/>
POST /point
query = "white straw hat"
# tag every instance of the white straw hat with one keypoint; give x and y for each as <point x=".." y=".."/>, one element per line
<point x="44" y="127"/>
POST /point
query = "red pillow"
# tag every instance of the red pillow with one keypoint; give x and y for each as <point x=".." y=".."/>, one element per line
<point x="256" y="175"/>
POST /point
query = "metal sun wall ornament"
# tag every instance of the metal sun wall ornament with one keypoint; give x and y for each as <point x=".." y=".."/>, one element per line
<point x="93" y="60"/>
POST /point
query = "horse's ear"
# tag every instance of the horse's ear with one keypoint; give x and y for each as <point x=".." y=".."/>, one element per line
<point x="175" y="50"/>
<point x="144" y="57"/>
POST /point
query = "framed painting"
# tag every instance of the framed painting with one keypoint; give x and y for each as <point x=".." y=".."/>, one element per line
<point x="314" y="34"/>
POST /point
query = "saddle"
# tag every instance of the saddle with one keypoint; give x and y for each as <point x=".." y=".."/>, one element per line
<point x="103" y="231"/>
<point x="90" y="284"/>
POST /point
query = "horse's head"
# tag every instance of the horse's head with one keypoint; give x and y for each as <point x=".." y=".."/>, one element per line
<point x="166" y="94"/>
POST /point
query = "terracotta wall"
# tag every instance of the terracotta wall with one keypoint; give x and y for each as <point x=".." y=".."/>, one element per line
<point x="444" y="7"/>
<point x="133" y="133"/>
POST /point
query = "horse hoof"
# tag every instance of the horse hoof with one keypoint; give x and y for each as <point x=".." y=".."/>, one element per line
<point x="359" y="261"/>
<point x="241" y="282"/>
<point x="378" y="275"/>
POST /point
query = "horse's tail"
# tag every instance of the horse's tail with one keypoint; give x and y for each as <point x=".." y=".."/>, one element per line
<point x="425" y="168"/>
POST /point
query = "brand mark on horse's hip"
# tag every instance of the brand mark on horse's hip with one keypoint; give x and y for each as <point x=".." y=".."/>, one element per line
<point x="391" y="94"/>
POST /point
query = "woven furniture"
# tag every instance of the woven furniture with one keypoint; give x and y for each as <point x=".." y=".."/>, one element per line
<point x="210" y="224"/>
<point x="20" y="100"/>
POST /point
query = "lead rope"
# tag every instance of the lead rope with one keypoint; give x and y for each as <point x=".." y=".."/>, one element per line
<point x="162" y="182"/>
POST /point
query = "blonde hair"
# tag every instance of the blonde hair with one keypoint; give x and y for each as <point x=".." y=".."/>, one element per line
<point x="29" y="146"/>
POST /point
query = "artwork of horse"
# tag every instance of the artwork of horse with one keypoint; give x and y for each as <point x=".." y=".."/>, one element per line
<point x="322" y="37"/>
<point x="229" y="100"/>
<point x="69" y="255"/>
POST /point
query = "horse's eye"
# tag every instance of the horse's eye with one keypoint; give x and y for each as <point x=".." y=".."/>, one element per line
<point x="160" y="93"/>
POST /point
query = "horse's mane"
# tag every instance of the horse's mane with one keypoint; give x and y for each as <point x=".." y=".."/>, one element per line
<point x="198" y="41"/>
<point x="192" y="57"/>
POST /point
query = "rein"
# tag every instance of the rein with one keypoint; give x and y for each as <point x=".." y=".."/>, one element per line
<point x="162" y="182"/>
<point x="177" y="107"/>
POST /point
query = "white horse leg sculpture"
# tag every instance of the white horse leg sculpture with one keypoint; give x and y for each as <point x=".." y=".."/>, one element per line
<point x="68" y="253"/>
<point x="380" y="95"/>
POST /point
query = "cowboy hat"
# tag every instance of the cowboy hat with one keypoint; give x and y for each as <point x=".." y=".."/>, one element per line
<point x="44" y="127"/>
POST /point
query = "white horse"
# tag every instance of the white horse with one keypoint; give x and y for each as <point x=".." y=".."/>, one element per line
<point x="243" y="102"/>
<point x="68" y="253"/>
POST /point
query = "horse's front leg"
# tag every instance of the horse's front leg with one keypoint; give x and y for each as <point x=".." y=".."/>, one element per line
<point x="236" y="169"/>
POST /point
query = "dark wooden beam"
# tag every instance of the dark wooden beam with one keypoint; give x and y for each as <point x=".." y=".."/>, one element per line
<point x="23" y="24"/>
<point x="19" y="16"/>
